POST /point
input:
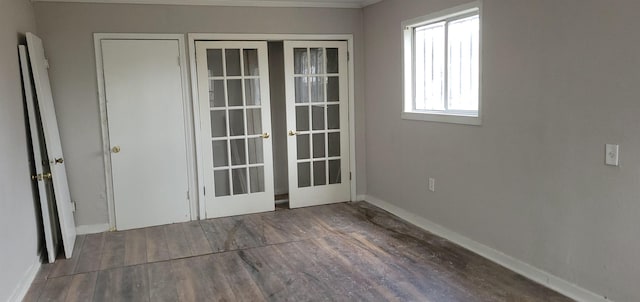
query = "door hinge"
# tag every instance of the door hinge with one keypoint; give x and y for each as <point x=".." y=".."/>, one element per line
<point x="178" y="60"/>
<point x="188" y="197"/>
<point x="349" y="175"/>
<point x="204" y="191"/>
<point x="73" y="206"/>
<point x="46" y="63"/>
<point x="348" y="56"/>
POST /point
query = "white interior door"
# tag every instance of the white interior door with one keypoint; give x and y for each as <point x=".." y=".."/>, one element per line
<point x="145" y="109"/>
<point x="39" y="66"/>
<point x="316" y="83"/>
<point x="233" y="94"/>
<point x="41" y="176"/>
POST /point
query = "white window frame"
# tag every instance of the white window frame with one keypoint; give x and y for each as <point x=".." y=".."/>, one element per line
<point x="446" y="116"/>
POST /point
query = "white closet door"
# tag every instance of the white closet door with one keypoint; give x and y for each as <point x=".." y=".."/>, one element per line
<point x="145" y="109"/>
<point x="233" y="94"/>
<point x="316" y="83"/>
<point x="40" y="165"/>
<point x="39" y="66"/>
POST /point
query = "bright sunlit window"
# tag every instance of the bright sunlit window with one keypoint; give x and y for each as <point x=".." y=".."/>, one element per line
<point x="442" y="66"/>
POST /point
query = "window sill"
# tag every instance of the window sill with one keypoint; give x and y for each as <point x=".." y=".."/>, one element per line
<point x="443" y="118"/>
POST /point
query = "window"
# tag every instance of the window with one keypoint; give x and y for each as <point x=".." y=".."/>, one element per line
<point x="442" y="66"/>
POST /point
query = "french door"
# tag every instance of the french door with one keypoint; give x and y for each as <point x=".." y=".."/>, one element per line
<point x="316" y="80"/>
<point x="233" y="92"/>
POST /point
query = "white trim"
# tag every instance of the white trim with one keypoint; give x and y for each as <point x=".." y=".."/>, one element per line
<point x="189" y="119"/>
<point x="442" y="117"/>
<point x="202" y="214"/>
<point x="352" y="118"/>
<point x="443" y="14"/>
<point x="528" y="271"/>
<point x="92" y="228"/>
<point x="366" y="3"/>
<point x="25" y="282"/>
<point x="254" y="3"/>
<point x="193" y="37"/>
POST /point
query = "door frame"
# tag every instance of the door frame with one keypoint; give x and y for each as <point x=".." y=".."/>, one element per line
<point x="188" y="117"/>
<point x="193" y="37"/>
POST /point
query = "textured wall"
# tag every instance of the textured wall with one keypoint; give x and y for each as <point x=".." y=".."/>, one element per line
<point x="18" y="224"/>
<point x="67" y="31"/>
<point x="560" y="80"/>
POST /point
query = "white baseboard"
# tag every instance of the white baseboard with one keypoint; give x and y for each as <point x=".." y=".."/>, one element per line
<point x="25" y="282"/>
<point x="360" y="197"/>
<point x="537" y="275"/>
<point x="92" y="228"/>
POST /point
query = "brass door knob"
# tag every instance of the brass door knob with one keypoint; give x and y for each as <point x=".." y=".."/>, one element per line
<point x="265" y="135"/>
<point x="46" y="176"/>
<point x="115" y="149"/>
<point x="37" y="177"/>
<point x="59" y="160"/>
<point x="292" y="133"/>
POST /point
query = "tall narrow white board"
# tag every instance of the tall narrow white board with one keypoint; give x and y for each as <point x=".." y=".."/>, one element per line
<point x="37" y="155"/>
<point x="146" y="121"/>
<point x="39" y="66"/>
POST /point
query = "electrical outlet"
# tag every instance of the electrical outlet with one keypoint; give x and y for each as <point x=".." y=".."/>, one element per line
<point x="611" y="154"/>
<point x="432" y="184"/>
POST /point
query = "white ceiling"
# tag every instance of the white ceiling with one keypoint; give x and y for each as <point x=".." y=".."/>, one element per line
<point x="264" y="3"/>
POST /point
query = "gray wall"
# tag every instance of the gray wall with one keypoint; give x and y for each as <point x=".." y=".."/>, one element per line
<point x="67" y="31"/>
<point x="278" y="117"/>
<point x="560" y="79"/>
<point x="18" y="226"/>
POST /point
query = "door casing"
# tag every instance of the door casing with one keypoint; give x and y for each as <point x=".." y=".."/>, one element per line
<point x="193" y="37"/>
<point x="188" y="118"/>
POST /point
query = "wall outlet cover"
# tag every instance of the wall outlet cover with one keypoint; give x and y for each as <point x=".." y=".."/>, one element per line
<point x="612" y="154"/>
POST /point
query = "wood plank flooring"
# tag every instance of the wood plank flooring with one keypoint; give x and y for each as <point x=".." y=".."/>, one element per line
<point x="340" y="252"/>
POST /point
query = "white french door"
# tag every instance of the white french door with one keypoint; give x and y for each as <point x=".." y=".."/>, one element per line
<point x="147" y="136"/>
<point x="233" y="94"/>
<point x="316" y="80"/>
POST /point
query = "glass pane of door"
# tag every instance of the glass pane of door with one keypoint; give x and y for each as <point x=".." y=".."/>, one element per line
<point x="241" y="114"/>
<point x="316" y="78"/>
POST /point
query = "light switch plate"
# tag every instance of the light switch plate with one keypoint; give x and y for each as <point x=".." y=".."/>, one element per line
<point x="612" y="154"/>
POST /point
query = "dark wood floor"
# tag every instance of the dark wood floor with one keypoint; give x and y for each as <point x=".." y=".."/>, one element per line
<point x="340" y="252"/>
